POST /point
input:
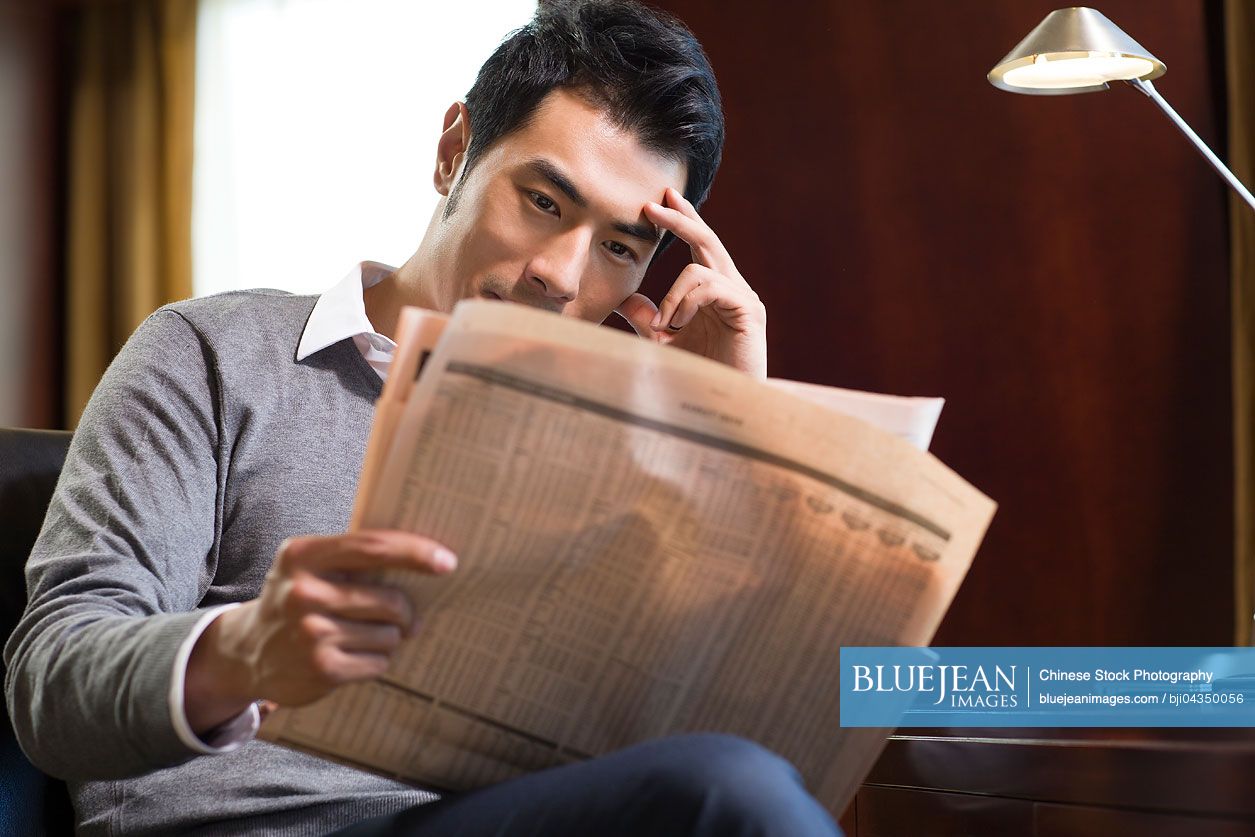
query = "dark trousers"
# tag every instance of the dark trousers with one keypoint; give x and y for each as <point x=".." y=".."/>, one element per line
<point x="702" y="785"/>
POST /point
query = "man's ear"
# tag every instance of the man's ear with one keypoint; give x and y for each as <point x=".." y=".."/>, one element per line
<point x="451" y="150"/>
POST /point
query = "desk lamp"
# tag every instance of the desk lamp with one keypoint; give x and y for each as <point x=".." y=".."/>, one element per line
<point x="1078" y="50"/>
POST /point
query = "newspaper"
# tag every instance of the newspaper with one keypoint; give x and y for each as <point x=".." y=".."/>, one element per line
<point x="913" y="419"/>
<point x="649" y="543"/>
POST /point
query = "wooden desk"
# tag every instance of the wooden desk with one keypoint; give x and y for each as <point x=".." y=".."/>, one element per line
<point x="1060" y="783"/>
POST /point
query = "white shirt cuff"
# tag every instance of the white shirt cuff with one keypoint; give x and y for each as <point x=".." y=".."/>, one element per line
<point x="230" y="734"/>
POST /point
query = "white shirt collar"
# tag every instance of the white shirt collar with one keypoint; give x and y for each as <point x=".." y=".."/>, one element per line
<point x="341" y="313"/>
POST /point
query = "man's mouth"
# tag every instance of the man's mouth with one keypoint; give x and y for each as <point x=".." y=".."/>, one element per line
<point x="533" y="303"/>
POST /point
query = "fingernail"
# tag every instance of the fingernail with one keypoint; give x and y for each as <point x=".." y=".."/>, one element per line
<point x="445" y="560"/>
<point x="656" y="321"/>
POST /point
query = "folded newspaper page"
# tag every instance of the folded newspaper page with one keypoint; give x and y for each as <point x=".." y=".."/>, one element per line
<point x="649" y="543"/>
<point x="913" y="419"/>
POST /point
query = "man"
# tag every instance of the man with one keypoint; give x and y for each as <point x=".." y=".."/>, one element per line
<point x="173" y="586"/>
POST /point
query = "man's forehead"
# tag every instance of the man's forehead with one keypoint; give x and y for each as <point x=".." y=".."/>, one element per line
<point x="582" y="141"/>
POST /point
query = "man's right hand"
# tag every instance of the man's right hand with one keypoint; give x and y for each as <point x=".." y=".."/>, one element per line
<point x="315" y="626"/>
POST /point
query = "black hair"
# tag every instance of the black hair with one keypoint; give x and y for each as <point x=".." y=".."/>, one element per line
<point x="642" y="67"/>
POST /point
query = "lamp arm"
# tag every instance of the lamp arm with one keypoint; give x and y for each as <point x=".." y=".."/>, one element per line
<point x="1151" y="93"/>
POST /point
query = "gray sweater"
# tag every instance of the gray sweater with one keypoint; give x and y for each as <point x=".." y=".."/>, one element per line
<point x="204" y="446"/>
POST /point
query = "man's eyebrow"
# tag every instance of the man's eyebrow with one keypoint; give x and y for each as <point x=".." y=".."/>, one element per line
<point x="551" y="173"/>
<point x="647" y="233"/>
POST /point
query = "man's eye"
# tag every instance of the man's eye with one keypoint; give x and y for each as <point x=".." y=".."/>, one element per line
<point x="620" y="250"/>
<point x="543" y="202"/>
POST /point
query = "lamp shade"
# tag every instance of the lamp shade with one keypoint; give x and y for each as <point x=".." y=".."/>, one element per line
<point x="1076" y="50"/>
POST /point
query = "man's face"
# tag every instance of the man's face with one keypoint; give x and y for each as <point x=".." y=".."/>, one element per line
<point x="552" y="215"/>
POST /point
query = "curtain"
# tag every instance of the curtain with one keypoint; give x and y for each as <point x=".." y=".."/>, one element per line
<point x="129" y="177"/>
<point x="1240" y="75"/>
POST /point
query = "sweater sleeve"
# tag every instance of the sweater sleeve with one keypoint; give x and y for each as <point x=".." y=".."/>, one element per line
<point x="126" y="553"/>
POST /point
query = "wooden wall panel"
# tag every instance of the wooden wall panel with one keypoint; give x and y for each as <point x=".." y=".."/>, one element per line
<point x="1055" y="266"/>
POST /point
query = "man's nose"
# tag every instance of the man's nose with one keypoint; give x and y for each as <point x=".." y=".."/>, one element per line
<point x="556" y="272"/>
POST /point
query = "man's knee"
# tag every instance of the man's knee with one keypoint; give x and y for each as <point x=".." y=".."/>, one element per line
<point x="719" y="762"/>
<point x="724" y="784"/>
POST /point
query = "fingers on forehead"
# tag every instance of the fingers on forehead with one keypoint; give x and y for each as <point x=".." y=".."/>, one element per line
<point x="682" y="203"/>
<point x="689" y="229"/>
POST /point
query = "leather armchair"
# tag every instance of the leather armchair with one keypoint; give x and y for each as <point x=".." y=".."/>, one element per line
<point x="30" y="461"/>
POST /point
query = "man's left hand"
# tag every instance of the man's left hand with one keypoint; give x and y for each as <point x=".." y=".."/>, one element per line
<point x="710" y="310"/>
